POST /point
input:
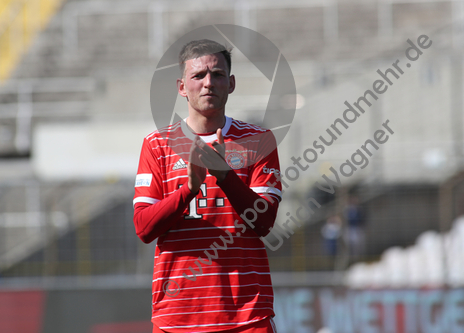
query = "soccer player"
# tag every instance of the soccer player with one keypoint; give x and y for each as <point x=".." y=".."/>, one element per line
<point x="204" y="189"/>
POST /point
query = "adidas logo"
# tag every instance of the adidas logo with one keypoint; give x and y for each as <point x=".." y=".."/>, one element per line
<point x="180" y="164"/>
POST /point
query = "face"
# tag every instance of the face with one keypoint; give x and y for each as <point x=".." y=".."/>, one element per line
<point x="206" y="84"/>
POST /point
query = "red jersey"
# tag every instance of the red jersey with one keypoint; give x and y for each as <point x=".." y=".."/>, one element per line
<point x="216" y="267"/>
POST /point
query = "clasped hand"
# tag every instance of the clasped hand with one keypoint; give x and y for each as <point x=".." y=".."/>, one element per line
<point x="204" y="157"/>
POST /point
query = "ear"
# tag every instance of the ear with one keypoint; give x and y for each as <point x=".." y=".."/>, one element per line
<point x="231" y="84"/>
<point x="181" y="88"/>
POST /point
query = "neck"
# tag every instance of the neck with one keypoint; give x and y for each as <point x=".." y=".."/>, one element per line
<point x="201" y="124"/>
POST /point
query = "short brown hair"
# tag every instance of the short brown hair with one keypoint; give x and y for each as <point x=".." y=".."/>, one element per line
<point x="199" y="48"/>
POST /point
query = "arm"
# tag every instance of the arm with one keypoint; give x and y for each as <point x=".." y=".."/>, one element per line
<point x="153" y="220"/>
<point x="241" y="197"/>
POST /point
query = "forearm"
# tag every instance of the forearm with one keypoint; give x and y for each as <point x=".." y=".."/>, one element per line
<point x="241" y="197"/>
<point x="153" y="220"/>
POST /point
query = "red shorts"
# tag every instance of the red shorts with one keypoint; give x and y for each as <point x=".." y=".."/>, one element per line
<point x="263" y="326"/>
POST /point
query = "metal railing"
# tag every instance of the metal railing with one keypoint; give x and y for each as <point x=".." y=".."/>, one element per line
<point x="56" y="229"/>
<point x="23" y="109"/>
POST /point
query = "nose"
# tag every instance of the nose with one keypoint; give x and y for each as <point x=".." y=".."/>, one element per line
<point x="208" y="80"/>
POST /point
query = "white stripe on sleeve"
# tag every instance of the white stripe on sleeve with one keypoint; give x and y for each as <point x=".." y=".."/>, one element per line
<point x="146" y="200"/>
<point x="266" y="189"/>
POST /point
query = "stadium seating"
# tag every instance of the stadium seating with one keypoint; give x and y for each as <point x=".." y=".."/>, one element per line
<point x="435" y="260"/>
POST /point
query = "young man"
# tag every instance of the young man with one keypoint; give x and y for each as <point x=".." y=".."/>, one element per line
<point x="198" y="181"/>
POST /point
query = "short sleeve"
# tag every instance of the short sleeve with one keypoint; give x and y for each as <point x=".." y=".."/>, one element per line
<point x="263" y="172"/>
<point x="148" y="181"/>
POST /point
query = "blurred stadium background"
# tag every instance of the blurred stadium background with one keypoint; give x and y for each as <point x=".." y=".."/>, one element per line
<point x="74" y="107"/>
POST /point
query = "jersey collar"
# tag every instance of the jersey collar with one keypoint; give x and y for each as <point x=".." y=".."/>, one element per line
<point x="206" y="138"/>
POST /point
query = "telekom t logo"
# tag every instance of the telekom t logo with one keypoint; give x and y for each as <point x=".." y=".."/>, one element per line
<point x="200" y="203"/>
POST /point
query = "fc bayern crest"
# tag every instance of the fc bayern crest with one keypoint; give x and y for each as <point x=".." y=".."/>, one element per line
<point x="235" y="160"/>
